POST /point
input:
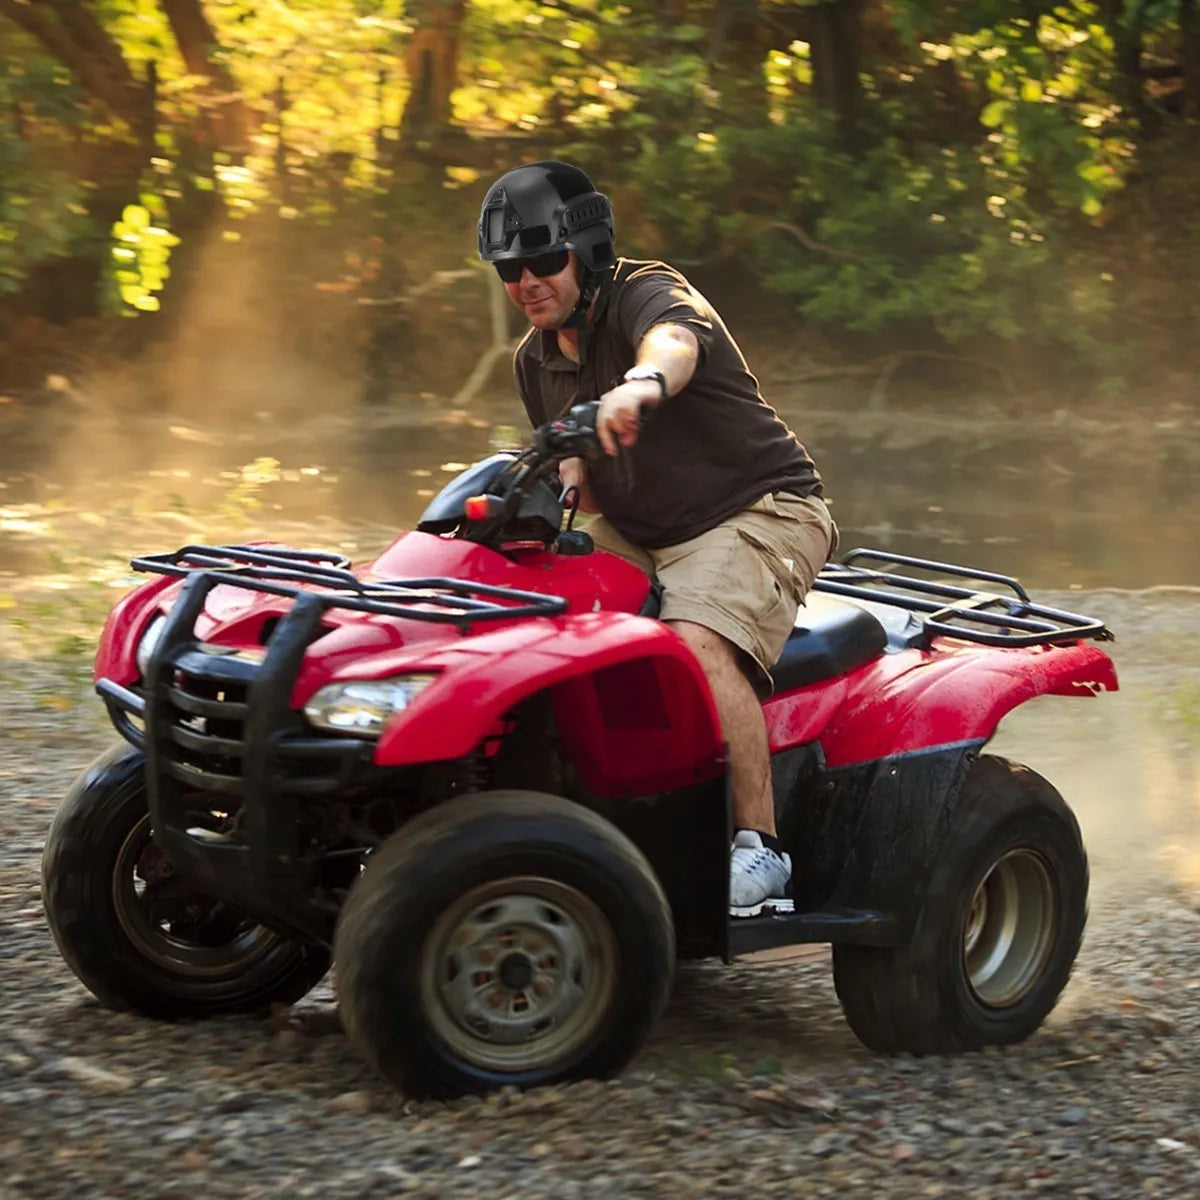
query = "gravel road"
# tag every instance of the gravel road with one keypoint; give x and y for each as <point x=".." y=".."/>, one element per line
<point x="751" y="1087"/>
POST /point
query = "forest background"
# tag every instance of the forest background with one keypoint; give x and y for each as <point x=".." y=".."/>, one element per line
<point x="999" y="188"/>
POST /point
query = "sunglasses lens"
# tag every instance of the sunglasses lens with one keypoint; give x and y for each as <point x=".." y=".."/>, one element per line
<point x="548" y="264"/>
<point x="540" y="265"/>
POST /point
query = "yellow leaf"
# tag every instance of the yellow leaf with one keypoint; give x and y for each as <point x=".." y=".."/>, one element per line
<point x="58" y="703"/>
<point x="135" y="217"/>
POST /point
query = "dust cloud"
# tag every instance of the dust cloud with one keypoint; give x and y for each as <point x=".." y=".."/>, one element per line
<point x="1128" y="763"/>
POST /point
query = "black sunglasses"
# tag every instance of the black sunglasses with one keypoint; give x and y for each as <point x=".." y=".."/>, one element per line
<point x="541" y="265"/>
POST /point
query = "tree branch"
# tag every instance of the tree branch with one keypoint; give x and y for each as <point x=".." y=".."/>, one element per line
<point x="805" y="239"/>
<point x="571" y="10"/>
<point x="501" y="345"/>
<point x="196" y="41"/>
<point x="892" y="362"/>
<point x="70" y="31"/>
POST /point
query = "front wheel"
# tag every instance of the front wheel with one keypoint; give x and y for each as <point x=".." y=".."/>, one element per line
<point x="503" y="938"/>
<point x="134" y="931"/>
<point x="999" y="929"/>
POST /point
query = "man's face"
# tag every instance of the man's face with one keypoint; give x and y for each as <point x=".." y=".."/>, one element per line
<point x="547" y="301"/>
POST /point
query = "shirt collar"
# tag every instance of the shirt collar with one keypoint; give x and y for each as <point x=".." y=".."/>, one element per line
<point x="544" y="345"/>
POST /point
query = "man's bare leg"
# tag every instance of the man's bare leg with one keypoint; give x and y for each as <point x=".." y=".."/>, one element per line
<point x="742" y="722"/>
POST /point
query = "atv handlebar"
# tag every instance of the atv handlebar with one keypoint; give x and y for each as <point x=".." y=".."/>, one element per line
<point x="574" y="435"/>
<point x="570" y="436"/>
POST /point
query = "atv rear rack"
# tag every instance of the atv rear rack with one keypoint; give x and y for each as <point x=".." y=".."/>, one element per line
<point x="990" y="617"/>
<point x="295" y="573"/>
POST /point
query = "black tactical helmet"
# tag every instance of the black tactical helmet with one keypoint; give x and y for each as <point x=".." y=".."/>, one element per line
<point x="547" y="206"/>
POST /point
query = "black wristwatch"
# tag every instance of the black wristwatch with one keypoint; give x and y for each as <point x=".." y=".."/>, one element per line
<point x="636" y="373"/>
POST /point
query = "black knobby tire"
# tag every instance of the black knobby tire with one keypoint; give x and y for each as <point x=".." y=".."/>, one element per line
<point x="504" y="938"/>
<point x="999" y="930"/>
<point x="120" y="949"/>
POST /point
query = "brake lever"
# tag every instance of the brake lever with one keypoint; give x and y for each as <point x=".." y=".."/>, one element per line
<point x="570" y="501"/>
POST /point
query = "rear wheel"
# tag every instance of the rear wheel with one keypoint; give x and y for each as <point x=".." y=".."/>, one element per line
<point x="134" y="931"/>
<point x="503" y="938"/>
<point x="998" y="933"/>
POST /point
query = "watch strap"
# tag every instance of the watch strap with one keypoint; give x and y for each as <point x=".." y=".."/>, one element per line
<point x="638" y="373"/>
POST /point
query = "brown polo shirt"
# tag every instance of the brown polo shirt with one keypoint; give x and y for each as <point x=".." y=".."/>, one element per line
<point x="706" y="453"/>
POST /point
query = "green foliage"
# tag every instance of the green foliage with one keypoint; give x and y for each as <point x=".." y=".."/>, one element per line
<point x="41" y="213"/>
<point x="962" y="196"/>
<point x="927" y="220"/>
<point x="141" y="252"/>
<point x="41" y="205"/>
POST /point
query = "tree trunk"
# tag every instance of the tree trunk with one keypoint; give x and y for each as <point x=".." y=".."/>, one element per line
<point x="1189" y="54"/>
<point x="836" y="40"/>
<point x="227" y="124"/>
<point x="70" y="31"/>
<point x="1126" y="26"/>
<point x="432" y="64"/>
<point x="737" y="47"/>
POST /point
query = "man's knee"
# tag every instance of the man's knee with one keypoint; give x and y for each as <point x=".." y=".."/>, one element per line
<point x="713" y="650"/>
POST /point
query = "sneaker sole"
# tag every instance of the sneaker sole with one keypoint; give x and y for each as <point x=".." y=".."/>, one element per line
<point x="774" y="904"/>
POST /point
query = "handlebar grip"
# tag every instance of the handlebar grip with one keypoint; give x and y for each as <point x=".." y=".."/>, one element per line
<point x="584" y="415"/>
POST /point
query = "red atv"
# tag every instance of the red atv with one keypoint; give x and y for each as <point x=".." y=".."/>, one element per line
<point x="481" y="777"/>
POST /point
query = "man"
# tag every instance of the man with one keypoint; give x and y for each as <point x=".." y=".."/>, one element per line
<point x="713" y="496"/>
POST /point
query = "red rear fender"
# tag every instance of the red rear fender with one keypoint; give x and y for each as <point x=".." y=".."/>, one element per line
<point x="633" y="710"/>
<point x="916" y="700"/>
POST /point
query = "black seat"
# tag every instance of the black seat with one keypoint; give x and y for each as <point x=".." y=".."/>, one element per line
<point x="831" y="637"/>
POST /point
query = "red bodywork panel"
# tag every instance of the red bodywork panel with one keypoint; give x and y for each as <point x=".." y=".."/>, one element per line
<point x="633" y="709"/>
<point x="124" y="628"/>
<point x="914" y="699"/>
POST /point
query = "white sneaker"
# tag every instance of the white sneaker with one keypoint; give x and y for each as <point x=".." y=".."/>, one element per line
<point x="758" y="877"/>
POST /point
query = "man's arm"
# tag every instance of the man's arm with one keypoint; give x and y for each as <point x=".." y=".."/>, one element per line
<point x="672" y="350"/>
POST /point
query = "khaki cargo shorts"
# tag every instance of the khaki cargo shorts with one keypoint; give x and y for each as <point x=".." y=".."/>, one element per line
<point x="745" y="579"/>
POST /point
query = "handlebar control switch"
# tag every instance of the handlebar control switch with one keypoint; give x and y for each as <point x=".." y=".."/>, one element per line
<point x="574" y="541"/>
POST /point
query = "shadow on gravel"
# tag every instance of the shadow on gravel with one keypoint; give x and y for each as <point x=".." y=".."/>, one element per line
<point x="302" y="1050"/>
<point x="766" y="1018"/>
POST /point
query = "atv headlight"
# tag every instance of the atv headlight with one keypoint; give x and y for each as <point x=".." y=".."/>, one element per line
<point x="149" y="640"/>
<point x="364" y="707"/>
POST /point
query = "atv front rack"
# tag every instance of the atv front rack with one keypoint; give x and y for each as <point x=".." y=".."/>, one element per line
<point x="990" y="617"/>
<point x="295" y="573"/>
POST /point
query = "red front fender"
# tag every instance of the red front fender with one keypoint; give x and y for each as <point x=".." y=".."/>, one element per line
<point x="954" y="693"/>
<point x="633" y="709"/>
<point x="116" y="653"/>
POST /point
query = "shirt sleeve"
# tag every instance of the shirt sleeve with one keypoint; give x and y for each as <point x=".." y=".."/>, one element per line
<point x="657" y="295"/>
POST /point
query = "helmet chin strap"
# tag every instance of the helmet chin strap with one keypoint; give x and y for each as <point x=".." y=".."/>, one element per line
<point x="589" y="285"/>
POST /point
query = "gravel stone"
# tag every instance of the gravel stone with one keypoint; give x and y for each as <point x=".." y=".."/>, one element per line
<point x="751" y="1086"/>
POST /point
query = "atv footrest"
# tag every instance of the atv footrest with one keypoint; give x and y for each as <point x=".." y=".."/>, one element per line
<point x="857" y="926"/>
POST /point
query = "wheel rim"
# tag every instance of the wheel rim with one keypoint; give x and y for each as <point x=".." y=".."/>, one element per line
<point x="180" y="930"/>
<point x="1010" y="928"/>
<point x="518" y="974"/>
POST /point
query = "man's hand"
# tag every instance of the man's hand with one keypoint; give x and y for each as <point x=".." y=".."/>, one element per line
<point x="619" y="418"/>
<point x="573" y="474"/>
